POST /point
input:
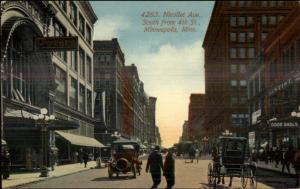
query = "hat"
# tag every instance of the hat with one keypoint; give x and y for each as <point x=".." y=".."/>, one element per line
<point x="156" y="147"/>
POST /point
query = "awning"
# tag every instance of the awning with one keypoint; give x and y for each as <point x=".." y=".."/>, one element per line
<point x="3" y="142"/>
<point x="80" y="140"/>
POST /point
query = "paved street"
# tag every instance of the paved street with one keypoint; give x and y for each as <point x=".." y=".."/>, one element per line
<point x="188" y="175"/>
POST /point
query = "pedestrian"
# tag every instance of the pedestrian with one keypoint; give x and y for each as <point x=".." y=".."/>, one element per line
<point x="34" y="159"/>
<point x="85" y="157"/>
<point x="287" y="158"/>
<point x="192" y="153"/>
<point x="169" y="169"/>
<point x="52" y="159"/>
<point x="277" y="156"/>
<point x="80" y="155"/>
<point x="5" y="161"/>
<point x="155" y="163"/>
<point x="296" y="164"/>
<point x="197" y="153"/>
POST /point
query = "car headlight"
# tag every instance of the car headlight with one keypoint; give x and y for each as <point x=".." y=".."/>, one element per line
<point x="113" y="164"/>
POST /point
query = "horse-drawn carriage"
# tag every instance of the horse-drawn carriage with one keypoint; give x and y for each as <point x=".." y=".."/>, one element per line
<point x="230" y="159"/>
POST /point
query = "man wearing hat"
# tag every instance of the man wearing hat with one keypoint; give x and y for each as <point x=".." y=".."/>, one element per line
<point x="155" y="163"/>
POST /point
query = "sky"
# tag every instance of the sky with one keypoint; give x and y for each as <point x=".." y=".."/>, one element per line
<point x="170" y="64"/>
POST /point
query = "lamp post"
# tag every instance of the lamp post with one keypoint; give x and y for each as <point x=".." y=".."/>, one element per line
<point x="43" y="120"/>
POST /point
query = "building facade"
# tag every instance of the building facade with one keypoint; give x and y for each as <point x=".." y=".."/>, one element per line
<point x="280" y="83"/>
<point x="233" y="39"/>
<point x="60" y="81"/>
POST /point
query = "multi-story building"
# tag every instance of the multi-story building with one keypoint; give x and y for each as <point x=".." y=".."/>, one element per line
<point x="196" y="116"/>
<point x="152" y="119"/>
<point x="184" y="135"/>
<point x="280" y="73"/>
<point x="60" y="81"/>
<point x="109" y="62"/>
<point x="157" y="136"/>
<point x="232" y="41"/>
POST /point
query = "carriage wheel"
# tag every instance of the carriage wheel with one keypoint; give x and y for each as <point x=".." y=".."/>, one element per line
<point x="209" y="174"/>
<point x="253" y="181"/>
<point x="244" y="177"/>
<point x="215" y="175"/>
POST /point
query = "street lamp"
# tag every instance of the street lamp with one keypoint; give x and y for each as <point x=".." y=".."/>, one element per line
<point x="42" y="119"/>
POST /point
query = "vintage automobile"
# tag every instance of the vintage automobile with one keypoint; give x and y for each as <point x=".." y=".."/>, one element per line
<point x="125" y="158"/>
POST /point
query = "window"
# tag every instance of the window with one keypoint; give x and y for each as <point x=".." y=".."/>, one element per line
<point x="251" y="52"/>
<point x="60" y="80"/>
<point x="89" y="102"/>
<point x="280" y="18"/>
<point x="233" y="68"/>
<point x="272" y="3"/>
<point x="243" y="83"/>
<point x="249" y="20"/>
<point x="81" y="25"/>
<point x="264" y="20"/>
<point x="232" y="36"/>
<point x="242" y="3"/>
<point x="242" y="37"/>
<point x="232" y="21"/>
<point x="264" y="3"/>
<point x="89" y="69"/>
<point x="74" y="60"/>
<point x="73" y="93"/>
<point x="272" y="20"/>
<point x="233" y="100"/>
<point x="82" y="62"/>
<point x="242" y="53"/>
<point x="233" y="83"/>
<point x="73" y="13"/>
<point x="243" y="100"/>
<point x="232" y="52"/>
<point x="88" y="34"/>
<point x="263" y="35"/>
<point x="250" y="37"/>
<point x="242" y="21"/>
<point x="60" y="31"/>
<point x="242" y="68"/>
<point x="82" y="98"/>
<point x="232" y="3"/>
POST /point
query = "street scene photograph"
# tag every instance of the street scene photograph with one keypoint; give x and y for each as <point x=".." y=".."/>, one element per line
<point x="150" y="94"/>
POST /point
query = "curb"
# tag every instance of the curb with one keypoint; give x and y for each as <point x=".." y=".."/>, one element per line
<point x="48" y="178"/>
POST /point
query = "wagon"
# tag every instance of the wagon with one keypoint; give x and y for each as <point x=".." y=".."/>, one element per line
<point x="230" y="159"/>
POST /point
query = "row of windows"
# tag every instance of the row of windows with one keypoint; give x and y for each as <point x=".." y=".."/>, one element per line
<point x="234" y="68"/>
<point x="241" y="21"/>
<point x="83" y="28"/>
<point x="256" y="3"/>
<point x="238" y="100"/>
<point x="241" y="37"/>
<point x="241" y="119"/>
<point x="271" y="20"/>
<point x="234" y="83"/>
<point x="242" y="52"/>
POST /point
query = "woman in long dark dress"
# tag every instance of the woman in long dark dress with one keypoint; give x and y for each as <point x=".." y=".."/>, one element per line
<point x="169" y="169"/>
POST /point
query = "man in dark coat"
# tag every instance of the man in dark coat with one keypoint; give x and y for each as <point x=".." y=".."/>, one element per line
<point x="296" y="164"/>
<point x="5" y="161"/>
<point x="85" y="157"/>
<point x="169" y="169"/>
<point x="155" y="163"/>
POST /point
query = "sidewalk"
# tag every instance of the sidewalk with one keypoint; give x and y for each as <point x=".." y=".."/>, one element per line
<point x="271" y="166"/>
<point x="25" y="178"/>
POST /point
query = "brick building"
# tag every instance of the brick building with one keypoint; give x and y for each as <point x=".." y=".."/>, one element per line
<point x="232" y="41"/>
<point x="195" y="116"/>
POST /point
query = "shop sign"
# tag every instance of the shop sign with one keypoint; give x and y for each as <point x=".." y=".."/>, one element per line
<point x="280" y="87"/>
<point x="284" y="124"/>
<point x="56" y="43"/>
<point x="251" y="139"/>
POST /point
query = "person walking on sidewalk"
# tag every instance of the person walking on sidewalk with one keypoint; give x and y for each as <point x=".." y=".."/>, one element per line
<point x="287" y="158"/>
<point x="85" y="157"/>
<point x="155" y="163"/>
<point x="296" y="164"/>
<point x="277" y="156"/>
<point x="169" y="169"/>
<point x="5" y="164"/>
